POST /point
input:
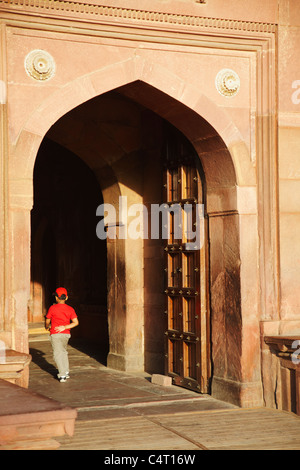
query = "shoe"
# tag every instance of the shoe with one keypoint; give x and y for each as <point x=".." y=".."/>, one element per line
<point x="67" y="375"/>
<point x="62" y="379"/>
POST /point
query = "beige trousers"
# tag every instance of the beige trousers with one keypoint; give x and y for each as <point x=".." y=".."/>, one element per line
<point x="59" y="343"/>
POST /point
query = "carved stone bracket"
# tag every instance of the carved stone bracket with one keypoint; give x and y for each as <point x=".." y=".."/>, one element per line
<point x="286" y="348"/>
<point x="282" y="346"/>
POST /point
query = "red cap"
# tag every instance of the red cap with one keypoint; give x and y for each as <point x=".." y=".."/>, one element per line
<point x="60" y="291"/>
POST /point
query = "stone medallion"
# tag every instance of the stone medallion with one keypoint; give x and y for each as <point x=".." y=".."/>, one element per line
<point x="40" y="65"/>
<point x="228" y="82"/>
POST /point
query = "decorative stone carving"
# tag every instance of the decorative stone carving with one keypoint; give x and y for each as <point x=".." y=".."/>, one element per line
<point x="74" y="9"/>
<point x="40" y="65"/>
<point x="228" y="82"/>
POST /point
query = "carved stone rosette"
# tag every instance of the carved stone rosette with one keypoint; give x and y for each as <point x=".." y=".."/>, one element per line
<point x="40" y="65"/>
<point x="228" y="82"/>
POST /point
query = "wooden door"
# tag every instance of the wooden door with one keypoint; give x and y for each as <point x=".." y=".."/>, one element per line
<point x="187" y="334"/>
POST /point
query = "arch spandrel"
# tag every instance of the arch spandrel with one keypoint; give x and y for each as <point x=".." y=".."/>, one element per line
<point x="179" y="103"/>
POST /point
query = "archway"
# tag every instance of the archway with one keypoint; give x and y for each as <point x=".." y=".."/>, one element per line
<point x="120" y="136"/>
<point x="230" y="179"/>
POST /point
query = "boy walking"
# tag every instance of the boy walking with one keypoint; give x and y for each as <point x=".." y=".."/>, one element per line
<point x="59" y="320"/>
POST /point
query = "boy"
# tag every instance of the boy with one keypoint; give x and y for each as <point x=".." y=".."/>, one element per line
<point x="58" y="322"/>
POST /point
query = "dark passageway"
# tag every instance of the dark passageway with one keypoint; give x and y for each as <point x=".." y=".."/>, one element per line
<point x="65" y="249"/>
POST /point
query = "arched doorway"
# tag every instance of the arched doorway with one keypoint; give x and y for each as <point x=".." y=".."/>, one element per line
<point x="229" y="179"/>
<point x="65" y="250"/>
<point x="128" y="139"/>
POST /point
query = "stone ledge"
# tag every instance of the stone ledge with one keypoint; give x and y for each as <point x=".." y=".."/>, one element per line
<point x="29" y="420"/>
<point x="12" y="364"/>
<point x="281" y="344"/>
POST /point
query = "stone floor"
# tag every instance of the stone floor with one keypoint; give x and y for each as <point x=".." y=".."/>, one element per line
<point x="122" y="411"/>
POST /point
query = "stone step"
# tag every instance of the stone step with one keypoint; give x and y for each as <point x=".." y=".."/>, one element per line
<point x="47" y="444"/>
<point x="37" y="328"/>
<point x="30" y="420"/>
<point x="37" y="332"/>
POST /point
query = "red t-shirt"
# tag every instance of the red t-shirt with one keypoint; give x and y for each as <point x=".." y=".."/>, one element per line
<point x="60" y="314"/>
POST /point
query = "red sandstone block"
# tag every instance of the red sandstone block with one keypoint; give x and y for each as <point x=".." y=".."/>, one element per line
<point x="163" y="380"/>
<point x="29" y="420"/>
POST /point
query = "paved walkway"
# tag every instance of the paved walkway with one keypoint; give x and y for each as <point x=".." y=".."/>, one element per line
<point x="122" y="411"/>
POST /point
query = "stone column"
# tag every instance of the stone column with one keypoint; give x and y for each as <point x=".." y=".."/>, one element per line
<point x="125" y="304"/>
<point x="5" y="327"/>
<point x="125" y="277"/>
<point x="251" y="391"/>
<point x="20" y="203"/>
<point x="234" y="302"/>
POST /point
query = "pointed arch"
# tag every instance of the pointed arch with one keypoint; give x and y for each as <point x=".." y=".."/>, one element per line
<point x="149" y="74"/>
